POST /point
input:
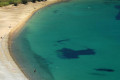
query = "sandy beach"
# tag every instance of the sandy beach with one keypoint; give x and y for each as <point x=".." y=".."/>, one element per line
<point x="12" y="18"/>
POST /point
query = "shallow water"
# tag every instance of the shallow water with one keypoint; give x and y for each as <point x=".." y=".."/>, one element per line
<point x="75" y="40"/>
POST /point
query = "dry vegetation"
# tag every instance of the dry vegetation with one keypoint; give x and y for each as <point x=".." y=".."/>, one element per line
<point x="16" y="2"/>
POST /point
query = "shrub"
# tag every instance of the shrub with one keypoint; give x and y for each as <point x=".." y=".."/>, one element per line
<point x="24" y="1"/>
<point x="33" y="1"/>
<point x="15" y="4"/>
<point x="43" y="0"/>
<point x="11" y="2"/>
<point x="39" y="0"/>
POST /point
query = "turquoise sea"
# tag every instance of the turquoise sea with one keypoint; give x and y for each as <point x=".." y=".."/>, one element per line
<point x="74" y="40"/>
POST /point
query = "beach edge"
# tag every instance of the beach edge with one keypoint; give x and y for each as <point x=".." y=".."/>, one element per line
<point x="9" y="61"/>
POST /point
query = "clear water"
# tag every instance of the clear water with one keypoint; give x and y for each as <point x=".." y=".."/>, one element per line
<point x="88" y="30"/>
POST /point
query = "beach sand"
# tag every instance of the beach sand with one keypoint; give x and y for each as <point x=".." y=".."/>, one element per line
<point x="12" y="18"/>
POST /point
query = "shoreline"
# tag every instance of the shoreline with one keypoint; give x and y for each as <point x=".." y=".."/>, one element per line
<point x="12" y="24"/>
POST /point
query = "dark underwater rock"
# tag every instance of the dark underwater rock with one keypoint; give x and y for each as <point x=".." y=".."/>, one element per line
<point x="105" y="69"/>
<point x="117" y="7"/>
<point x="55" y="11"/>
<point x="64" y="40"/>
<point x="67" y="53"/>
<point x="118" y="16"/>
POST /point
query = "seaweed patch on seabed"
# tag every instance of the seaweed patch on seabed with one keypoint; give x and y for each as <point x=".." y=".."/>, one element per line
<point x="63" y="40"/>
<point x="55" y="11"/>
<point x="105" y="70"/>
<point x="67" y="53"/>
<point x="118" y="15"/>
<point x="117" y="7"/>
<point x="109" y="2"/>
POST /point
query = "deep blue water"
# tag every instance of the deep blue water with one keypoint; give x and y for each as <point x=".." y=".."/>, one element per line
<point x="74" y="40"/>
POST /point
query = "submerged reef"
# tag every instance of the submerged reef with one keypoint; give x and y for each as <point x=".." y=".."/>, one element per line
<point x="55" y="11"/>
<point x="118" y="14"/>
<point x="67" y="53"/>
<point x="64" y="40"/>
<point x="111" y="1"/>
<point x="105" y="69"/>
<point x="117" y="7"/>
